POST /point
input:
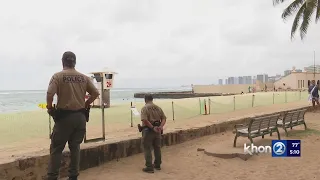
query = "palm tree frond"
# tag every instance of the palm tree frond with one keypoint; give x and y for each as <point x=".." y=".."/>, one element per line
<point x="292" y="8"/>
<point x="307" y="13"/>
<point x="275" y="2"/>
<point x="318" y="11"/>
<point x="296" y="20"/>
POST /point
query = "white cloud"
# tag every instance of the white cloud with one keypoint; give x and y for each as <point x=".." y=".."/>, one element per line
<point x="148" y="41"/>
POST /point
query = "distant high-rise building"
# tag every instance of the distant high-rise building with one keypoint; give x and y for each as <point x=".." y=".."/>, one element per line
<point x="254" y="79"/>
<point x="278" y="77"/>
<point x="226" y="81"/>
<point x="236" y="80"/>
<point x="241" y="80"/>
<point x="287" y="72"/>
<point x="231" y="80"/>
<point x="266" y="78"/>
<point x="247" y="79"/>
<point x="313" y="68"/>
<point x="262" y="78"/>
<point x="220" y="81"/>
<point x="298" y="70"/>
<point x="272" y="79"/>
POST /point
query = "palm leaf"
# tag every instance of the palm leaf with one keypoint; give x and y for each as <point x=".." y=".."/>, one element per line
<point x="292" y="8"/>
<point x="307" y="13"/>
<point x="296" y="20"/>
<point x="318" y="11"/>
<point x="275" y="2"/>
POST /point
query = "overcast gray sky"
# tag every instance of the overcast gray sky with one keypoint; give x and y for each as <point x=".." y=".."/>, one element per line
<point x="150" y="43"/>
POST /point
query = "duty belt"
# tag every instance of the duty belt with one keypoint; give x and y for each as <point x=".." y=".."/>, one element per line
<point x="58" y="113"/>
<point x="156" y="124"/>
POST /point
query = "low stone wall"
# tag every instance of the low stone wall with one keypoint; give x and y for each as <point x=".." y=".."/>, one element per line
<point x="34" y="168"/>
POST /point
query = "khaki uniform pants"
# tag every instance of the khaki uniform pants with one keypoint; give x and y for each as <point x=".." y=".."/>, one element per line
<point x="70" y="129"/>
<point x="151" y="140"/>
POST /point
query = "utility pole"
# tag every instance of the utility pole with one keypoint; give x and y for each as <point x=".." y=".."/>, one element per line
<point x="314" y="65"/>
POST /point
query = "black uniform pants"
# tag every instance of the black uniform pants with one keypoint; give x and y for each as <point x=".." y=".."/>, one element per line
<point x="151" y="140"/>
<point x="69" y="129"/>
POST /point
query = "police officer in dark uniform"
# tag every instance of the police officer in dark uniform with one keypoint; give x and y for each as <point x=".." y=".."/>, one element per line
<point x="70" y="86"/>
<point x="153" y="119"/>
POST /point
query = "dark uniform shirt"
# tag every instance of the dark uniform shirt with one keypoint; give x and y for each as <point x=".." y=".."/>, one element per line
<point x="315" y="92"/>
<point x="71" y="87"/>
<point x="152" y="113"/>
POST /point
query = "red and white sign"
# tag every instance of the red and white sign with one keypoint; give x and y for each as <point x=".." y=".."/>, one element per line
<point x="108" y="83"/>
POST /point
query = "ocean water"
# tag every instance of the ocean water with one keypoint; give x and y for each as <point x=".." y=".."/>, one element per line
<point x="13" y="101"/>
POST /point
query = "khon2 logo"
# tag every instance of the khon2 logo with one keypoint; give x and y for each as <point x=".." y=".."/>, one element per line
<point x="279" y="148"/>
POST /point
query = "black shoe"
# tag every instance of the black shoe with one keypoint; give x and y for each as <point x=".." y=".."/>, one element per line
<point x="148" y="170"/>
<point x="157" y="167"/>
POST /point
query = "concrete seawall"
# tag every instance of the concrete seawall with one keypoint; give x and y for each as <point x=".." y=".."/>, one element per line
<point x="177" y="95"/>
<point x="34" y="168"/>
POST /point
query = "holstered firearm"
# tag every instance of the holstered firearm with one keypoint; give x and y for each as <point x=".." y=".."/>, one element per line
<point x="87" y="113"/>
<point x="53" y="113"/>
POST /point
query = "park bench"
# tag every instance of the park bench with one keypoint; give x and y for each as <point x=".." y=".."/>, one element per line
<point x="291" y="119"/>
<point x="258" y="126"/>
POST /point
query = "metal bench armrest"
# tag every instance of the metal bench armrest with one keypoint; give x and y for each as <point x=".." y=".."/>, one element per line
<point x="237" y="126"/>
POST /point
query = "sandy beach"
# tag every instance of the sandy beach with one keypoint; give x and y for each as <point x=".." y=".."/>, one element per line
<point x="26" y="133"/>
<point x="41" y="146"/>
<point x="184" y="162"/>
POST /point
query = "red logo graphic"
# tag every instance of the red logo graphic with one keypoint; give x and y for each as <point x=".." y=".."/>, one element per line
<point x="108" y="84"/>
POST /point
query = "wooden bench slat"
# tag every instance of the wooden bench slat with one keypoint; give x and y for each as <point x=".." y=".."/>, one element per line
<point x="273" y="122"/>
<point x="255" y="125"/>
<point x="288" y="117"/>
<point x="295" y="116"/>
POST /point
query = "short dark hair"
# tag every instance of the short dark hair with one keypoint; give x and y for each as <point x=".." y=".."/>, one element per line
<point x="69" y="59"/>
<point x="148" y="97"/>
